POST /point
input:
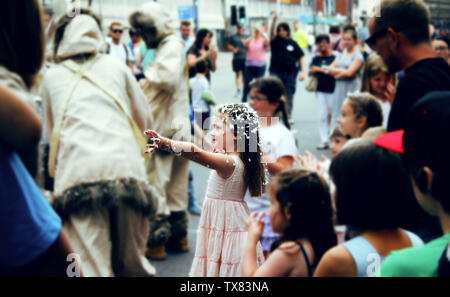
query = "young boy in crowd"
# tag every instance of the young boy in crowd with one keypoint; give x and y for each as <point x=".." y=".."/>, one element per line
<point x="428" y="162"/>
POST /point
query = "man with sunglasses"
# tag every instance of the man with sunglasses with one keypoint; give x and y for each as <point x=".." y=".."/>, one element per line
<point x="116" y="48"/>
<point x="400" y="35"/>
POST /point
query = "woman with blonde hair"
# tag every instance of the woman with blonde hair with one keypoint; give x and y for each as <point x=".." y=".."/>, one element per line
<point x="255" y="60"/>
<point x="377" y="81"/>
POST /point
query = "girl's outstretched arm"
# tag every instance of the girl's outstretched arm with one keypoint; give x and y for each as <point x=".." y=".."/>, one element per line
<point x="224" y="164"/>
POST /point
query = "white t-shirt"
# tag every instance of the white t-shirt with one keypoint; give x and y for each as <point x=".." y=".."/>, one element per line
<point x="119" y="51"/>
<point x="199" y="84"/>
<point x="277" y="141"/>
<point x="187" y="43"/>
<point x="386" y="108"/>
<point x="136" y="53"/>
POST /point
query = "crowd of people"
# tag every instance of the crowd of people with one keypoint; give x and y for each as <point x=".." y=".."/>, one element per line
<point x="81" y="180"/>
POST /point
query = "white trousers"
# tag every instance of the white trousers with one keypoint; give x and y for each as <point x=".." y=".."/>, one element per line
<point x="324" y="108"/>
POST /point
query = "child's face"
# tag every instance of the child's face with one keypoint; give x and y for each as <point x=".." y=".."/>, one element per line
<point x="276" y="214"/>
<point x="258" y="101"/>
<point x="337" y="142"/>
<point x="348" y="123"/>
<point x="378" y="84"/>
<point x="222" y="135"/>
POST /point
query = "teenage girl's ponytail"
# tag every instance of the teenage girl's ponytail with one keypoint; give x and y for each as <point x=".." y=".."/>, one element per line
<point x="282" y="109"/>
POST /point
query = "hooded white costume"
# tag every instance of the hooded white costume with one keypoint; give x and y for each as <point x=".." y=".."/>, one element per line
<point x="101" y="190"/>
<point x="166" y="88"/>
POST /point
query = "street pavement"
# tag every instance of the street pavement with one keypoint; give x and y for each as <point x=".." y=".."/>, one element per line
<point x="223" y="87"/>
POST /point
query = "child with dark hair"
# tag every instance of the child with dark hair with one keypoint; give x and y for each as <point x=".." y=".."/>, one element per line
<point x="236" y="166"/>
<point x="300" y="210"/>
<point x="199" y="85"/>
<point x="360" y="111"/>
<point x="428" y="163"/>
<point x="278" y="143"/>
<point x="372" y="192"/>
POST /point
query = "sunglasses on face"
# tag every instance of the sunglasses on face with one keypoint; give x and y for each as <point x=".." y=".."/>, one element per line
<point x="372" y="40"/>
<point x="118" y="31"/>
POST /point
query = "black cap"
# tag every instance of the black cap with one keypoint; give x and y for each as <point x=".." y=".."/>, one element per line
<point x="427" y="132"/>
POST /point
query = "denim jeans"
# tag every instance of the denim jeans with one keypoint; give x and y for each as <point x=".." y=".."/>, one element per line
<point x="289" y="80"/>
<point x="250" y="73"/>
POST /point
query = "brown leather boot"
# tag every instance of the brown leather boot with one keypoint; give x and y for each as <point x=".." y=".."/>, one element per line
<point x="156" y="252"/>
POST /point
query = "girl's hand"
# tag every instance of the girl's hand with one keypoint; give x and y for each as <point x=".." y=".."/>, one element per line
<point x="156" y="142"/>
<point x="308" y="161"/>
<point x="255" y="225"/>
<point x="390" y="92"/>
<point x="219" y="151"/>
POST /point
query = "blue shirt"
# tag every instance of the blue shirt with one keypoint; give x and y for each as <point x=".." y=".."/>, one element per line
<point x="28" y="224"/>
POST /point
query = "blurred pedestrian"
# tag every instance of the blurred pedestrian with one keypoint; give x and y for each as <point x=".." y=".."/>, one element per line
<point x="325" y="86"/>
<point x="336" y="38"/>
<point x="239" y="50"/>
<point x="134" y="47"/>
<point x="441" y="46"/>
<point x="255" y="60"/>
<point x="201" y="51"/>
<point x="287" y="59"/>
<point x="116" y="48"/>
<point x="185" y="35"/>
<point x="346" y="69"/>
<point x="300" y="37"/>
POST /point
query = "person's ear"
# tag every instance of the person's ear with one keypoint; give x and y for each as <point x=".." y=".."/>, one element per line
<point x="275" y="105"/>
<point x="394" y="37"/>
<point x="361" y="122"/>
<point x="424" y="180"/>
<point x="287" y="211"/>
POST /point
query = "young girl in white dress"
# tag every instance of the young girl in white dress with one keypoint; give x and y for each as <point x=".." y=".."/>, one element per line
<point x="236" y="164"/>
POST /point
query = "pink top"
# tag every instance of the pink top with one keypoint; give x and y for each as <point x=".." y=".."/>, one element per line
<point x="256" y="50"/>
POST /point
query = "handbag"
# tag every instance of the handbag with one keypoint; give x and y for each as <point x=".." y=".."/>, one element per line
<point x="312" y="83"/>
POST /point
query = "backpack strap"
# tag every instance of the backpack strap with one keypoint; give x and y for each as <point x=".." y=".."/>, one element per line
<point x="126" y="51"/>
<point x="82" y="72"/>
<point x="54" y="142"/>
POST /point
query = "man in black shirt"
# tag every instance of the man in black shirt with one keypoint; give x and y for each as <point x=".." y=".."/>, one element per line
<point x="286" y="60"/>
<point x="400" y="35"/>
<point x="325" y="86"/>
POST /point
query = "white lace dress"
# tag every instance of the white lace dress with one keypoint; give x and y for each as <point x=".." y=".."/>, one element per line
<point x="222" y="232"/>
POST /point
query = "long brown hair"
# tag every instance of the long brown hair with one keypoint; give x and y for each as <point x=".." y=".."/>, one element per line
<point x="306" y="197"/>
<point x="244" y="123"/>
<point x="22" y="45"/>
